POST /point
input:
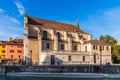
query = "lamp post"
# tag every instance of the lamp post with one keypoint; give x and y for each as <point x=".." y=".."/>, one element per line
<point x="31" y="57"/>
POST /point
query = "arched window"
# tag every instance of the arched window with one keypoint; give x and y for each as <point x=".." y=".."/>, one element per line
<point x="59" y="35"/>
<point x="45" y="34"/>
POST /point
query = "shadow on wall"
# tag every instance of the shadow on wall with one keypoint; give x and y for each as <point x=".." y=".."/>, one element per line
<point x="45" y="60"/>
<point x="28" y="61"/>
<point x="52" y="60"/>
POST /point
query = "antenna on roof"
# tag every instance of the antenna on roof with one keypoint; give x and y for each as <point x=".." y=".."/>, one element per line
<point x="77" y="22"/>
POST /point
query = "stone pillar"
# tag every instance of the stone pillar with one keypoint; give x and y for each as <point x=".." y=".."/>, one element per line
<point x="39" y="43"/>
<point x="77" y="36"/>
<point x="65" y="35"/>
<point x="26" y="52"/>
<point x="55" y="36"/>
<point x="70" y="42"/>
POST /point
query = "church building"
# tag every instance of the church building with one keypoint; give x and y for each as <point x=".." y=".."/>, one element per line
<point x="53" y="43"/>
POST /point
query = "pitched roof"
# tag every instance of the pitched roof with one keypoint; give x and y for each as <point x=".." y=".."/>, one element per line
<point x="54" y="25"/>
<point x="98" y="42"/>
<point x="15" y="42"/>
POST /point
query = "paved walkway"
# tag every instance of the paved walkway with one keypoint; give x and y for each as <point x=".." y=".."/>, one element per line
<point x="70" y="75"/>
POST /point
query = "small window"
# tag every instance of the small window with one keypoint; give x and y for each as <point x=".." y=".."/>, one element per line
<point x="80" y="36"/>
<point x="3" y="51"/>
<point x="11" y="51"/>
<point x="83" y="58"/>
<point x="107" y="48"/>
<point x="45" y="35"/>
<point x="62" y="47"/>
<point x="19" y="46"/>
<point x="47" y="45"/>
<point x="19" y="56"/>
<point x="11" y="56"/>
<point x="75" y="47"/>
<point x="69" y="58"/>
<point x="19" y="51"/>
<point x="59" y="35"/>
<point x="93" y="47"/>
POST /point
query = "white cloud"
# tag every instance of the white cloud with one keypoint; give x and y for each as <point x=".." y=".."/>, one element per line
<point x="15" y="21"/>
<point x="106" y="22"/>
<point x="9" y="26"/>
<point x="20" y="7"/>
<point x="1" y="10"/>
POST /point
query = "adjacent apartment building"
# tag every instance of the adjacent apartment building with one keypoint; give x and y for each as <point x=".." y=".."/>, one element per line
<point x="14" y="50"/>
<point x="54" y="43"/>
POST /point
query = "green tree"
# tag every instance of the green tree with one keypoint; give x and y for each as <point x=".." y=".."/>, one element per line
<point x="115" y="49"/>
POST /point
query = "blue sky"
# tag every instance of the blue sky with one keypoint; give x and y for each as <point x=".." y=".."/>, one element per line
<point x="96" y="17"/>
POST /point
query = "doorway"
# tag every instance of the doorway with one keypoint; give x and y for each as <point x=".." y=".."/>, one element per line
<point x="94" y="58"/>
<point x="52" y="59"/>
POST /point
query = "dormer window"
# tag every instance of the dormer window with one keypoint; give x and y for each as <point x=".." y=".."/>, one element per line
<point x="45" y="34"/>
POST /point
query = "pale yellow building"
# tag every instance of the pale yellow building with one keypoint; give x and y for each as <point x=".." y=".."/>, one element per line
<point x="53" y="43"/>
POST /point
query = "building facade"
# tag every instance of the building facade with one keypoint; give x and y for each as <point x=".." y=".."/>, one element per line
<point x="2" y="50"/>
<point x="14" y="50"/>
<point x="53" y="43"/>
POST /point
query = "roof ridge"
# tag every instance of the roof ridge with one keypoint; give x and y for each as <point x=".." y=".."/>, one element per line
<point x="53" y="21"/>
<point x="53" y="24"/>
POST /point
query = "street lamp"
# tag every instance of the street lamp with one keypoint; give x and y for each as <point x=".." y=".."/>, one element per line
<point x="31" y="57"/>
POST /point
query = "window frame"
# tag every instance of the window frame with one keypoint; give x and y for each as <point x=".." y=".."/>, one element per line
<point x="47" y="45"/>
<point x="62" y="47"/>
<point x="45" y="34"/>
<point x="12" y="51"/>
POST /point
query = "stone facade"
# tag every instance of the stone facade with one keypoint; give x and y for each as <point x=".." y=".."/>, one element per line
<point x="53" y="43"/>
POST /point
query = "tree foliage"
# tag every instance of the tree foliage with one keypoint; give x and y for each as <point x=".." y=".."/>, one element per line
<point x="115" y="49"/>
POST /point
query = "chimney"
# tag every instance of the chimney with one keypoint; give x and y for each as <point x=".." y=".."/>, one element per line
<point x="10" y="39"/>
<point x="17" y="38"/>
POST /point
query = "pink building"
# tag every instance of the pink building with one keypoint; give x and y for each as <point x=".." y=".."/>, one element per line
<point x="14" y="50"/>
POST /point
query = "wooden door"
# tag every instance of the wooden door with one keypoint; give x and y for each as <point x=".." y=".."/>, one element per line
<point x="52" y="59"/>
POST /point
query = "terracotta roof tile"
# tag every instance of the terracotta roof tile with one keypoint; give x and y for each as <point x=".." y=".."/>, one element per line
<point x="96" y="42"/>
<point x="54" y="25"/>
<point x="15" y="42"/>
